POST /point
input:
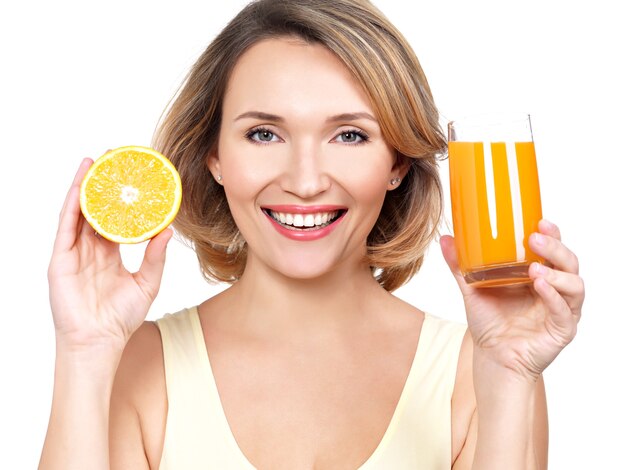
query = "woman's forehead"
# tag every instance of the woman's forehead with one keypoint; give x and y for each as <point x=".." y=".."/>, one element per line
<point x="288" y="74"/>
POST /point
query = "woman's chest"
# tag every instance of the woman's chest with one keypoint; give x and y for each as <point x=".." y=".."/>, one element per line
<point x="303" y="409"/>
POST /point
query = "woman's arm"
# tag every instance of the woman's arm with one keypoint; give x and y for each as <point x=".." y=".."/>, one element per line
<point x="77" y="436"/>
<point x="465" y="420"/>
<point x="516" y="333"/>
<point x="511" y="425"/>
<point x="96" y="306"/>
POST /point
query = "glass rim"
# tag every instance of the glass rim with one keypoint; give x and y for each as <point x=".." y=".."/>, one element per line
<point x="491" y="126"/>
<point x="490" y="119"/>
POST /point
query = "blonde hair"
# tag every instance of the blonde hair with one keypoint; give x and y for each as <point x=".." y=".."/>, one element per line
<point x="388" y="70"/>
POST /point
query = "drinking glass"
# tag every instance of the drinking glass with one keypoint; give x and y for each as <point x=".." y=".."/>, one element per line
<point x="495" y="197"/>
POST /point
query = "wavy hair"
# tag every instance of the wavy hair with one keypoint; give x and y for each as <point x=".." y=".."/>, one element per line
<point x="386" y="67"/>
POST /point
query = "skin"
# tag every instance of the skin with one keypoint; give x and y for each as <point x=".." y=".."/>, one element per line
<point x="286" y="317"/>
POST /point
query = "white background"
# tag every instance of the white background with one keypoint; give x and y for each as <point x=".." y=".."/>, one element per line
<point x="80" y="78"/>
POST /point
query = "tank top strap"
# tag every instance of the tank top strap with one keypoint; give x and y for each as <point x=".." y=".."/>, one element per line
<point x="197" y="434"/>
<point x="420" y="433"/>
<point x="438" y="354"/>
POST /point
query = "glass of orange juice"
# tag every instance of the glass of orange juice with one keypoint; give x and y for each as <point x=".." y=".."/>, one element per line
<point x="495" y="197"/>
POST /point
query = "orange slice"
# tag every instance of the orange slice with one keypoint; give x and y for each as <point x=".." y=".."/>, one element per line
<point x="130" y="194"/>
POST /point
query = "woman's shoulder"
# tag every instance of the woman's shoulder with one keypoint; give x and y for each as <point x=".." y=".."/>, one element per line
<point x="445" y="324"/>
<point x="139" y="397"/>
<point x="141" y="371"/>
<point x="141" y="366"/>
<point x="447" y="341"/>
<point x="142" y="360"/>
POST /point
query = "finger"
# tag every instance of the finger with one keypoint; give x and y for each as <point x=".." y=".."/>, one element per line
<point x="548" y="228"/>
<point x="570" y="286"/>
<point x="448" y="249"/>
<point x="554" y="252"/>
<point x="70" y="216"/>
<point x="78" y="178"/>
<point x="151" y="270"/>
<point x="560" y="315"/>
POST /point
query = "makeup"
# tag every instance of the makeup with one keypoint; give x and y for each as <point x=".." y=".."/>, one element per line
<point x="304" y="223"/>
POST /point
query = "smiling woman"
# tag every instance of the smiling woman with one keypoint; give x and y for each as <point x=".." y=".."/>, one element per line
<point x="398" y="104"/>
<point x="300" y="153"/>
<point x="307" y="139"/>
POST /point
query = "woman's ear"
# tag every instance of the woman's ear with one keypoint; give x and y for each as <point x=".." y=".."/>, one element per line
<point x="213" y="163"/>
<point x="398" y="171"/>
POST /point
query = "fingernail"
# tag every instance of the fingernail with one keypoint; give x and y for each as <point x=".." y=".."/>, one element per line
<point x="539" y="239"/>
<point x="539" y="268"/>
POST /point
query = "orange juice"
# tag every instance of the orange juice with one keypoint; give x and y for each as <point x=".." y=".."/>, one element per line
<point x="496" y="205"/>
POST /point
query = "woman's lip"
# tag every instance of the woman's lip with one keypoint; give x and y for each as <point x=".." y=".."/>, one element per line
<point x="304" y="234"/>
<point x="299" y="209"/>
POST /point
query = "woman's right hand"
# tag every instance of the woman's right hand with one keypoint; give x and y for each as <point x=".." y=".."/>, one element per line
<point x="95" y="301"/>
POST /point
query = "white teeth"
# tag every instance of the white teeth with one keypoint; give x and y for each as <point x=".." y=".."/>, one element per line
<point x="304" y="220"/>
<point x="298" y="220"/>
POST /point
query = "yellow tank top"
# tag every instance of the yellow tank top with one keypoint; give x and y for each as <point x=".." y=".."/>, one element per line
<point x="198" y="436"/>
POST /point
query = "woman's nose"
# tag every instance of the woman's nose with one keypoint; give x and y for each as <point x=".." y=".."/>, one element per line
<point x="306" y="175"/>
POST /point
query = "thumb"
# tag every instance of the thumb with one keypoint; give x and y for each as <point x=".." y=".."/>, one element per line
<point x="448" y="249"/>
<point x="151" y="270"/>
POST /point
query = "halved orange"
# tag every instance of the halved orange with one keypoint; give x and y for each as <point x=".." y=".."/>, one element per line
<point x="130" y="194"/>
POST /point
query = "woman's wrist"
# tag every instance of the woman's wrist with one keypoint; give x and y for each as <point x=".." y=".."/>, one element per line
<point x="503" y="369"/>
<point x="97" y="362"/>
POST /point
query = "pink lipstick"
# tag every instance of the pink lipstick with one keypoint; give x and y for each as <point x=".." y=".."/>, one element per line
<point x="304" y="223"/>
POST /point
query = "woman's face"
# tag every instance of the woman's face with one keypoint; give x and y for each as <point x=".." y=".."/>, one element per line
<point x="302" y="159"/>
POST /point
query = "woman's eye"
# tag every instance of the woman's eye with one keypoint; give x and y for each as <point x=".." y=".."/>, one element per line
<point x="261" y="135"/>
<point x="351" y="137"/>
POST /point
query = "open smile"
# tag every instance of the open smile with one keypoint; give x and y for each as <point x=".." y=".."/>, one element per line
<point x="304" y="223"/>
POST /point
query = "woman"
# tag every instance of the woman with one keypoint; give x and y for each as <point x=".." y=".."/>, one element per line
<point x="306" y="138"/>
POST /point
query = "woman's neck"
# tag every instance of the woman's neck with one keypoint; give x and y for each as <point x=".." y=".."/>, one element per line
<point x="267" y="302"/>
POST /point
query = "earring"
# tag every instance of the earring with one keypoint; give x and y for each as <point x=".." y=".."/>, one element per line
<point x="219" y="178"/>
<point x="395" y="181"/>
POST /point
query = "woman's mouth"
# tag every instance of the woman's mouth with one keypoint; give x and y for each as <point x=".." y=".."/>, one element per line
<point x="310" y="221"/>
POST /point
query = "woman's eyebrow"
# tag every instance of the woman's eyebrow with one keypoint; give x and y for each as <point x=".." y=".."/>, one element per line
<point x="351" y="117"/>
<point x="336" y="118"/>
<point x="260" y="115"/>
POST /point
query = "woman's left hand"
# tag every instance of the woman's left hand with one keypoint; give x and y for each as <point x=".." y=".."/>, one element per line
<point x="523" y="328"/>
